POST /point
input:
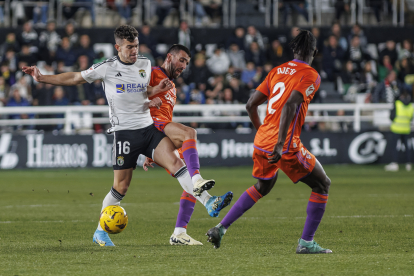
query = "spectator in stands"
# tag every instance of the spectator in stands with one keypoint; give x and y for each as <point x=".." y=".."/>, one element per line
<point x="71" y="34"/>
<point x="124" y="9"/>
<point x="162" y="10"/>
<point x="349" y="77"/>
<point x="24" y="89"/>
<point x="388" y="90"/>
<point x="276" y="53"/>
<point x="26" y="56"/>
<point x="389" y="51"/>
<point x="146" y="52"/>
<point x="219" y="62"/>
<point x="1" y="15"/>
<point x="406" y="49"/>
<point x="199" y="72"/>
<point x="43" y="94"/>
<point x="405" y="67"/>
<point x="341" y="7"/>
<point x="376" y="6"/>
<point x="357" y="31"/>
<point x="213" y="88"/>
<point x="7" y="74"/>
<point x="236" y="57"/>
<point x="184" y="35"/>
<point x="255" y="54"/>
<point x="40" y="14"/>
<point x="237" y="38"/>
<point x="86" y="91"/>
<point x="248" y="74"/>
<point x="196" y="97"/>
<point x="333" y="58"/>
<point x="199" y="13"/>
<point x="85" y="48"/>
<point x="369" y="77"/>
<point x="286" y="6"/>
<point x="253" y="35"/>
<point x="4" y="92"/>
<point x="357" y="54"/>
<point x="319" y="39"/>
<point x="342" y="41"/>
<point x="17" y="100"/>
<point x="384" y="67"/>
<point x="146" y="37"/>
<point x="49" y="41"/>
<point x="65" y="53"/>
<point x="240" y="91"/>
<point x="59" y="99"/>
<point x="213" y="9"/>
<point x="11" y="58"/>
<point x="10" y="43"/>
<point x="29" y="37"/>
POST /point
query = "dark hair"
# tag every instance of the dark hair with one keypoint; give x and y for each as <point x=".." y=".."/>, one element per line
<point x="178" y="47"/>
<point x="304" y="44"/>
<point x="125" y="32"/>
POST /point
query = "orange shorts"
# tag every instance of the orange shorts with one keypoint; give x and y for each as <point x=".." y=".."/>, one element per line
<point x="296" y="165"/>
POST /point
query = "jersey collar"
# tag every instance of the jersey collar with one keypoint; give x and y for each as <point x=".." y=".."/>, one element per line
<point x="165" y="73"/>
<point x="124" y="63"/>
<point x="300" y="61"/>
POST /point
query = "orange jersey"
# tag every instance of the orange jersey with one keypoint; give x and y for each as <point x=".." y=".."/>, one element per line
<point x="168" y="98"/>
<point x="278" y="86"/>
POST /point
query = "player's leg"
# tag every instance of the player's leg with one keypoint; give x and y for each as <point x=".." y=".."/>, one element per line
<point x="186" y="138"/>
<point x="266" y="175"/>
<point x="319" y="182"/>
<point x="125" y="152"/>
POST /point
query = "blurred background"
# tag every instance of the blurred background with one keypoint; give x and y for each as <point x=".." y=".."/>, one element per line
<point x="365" y="60"/>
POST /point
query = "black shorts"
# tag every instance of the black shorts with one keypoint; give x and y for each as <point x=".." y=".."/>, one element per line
<point x="129" y="144"/>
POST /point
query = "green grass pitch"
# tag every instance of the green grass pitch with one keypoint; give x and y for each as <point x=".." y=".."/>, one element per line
<point x="48" y="218"/>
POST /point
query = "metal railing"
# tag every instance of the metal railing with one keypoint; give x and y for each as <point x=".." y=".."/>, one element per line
<point x="375" y="113"/>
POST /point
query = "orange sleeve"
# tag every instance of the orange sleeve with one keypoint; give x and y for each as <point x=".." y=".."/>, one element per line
<point x="264" y="86"/>
<point x="308" y="84"/>
<point x="154" y="77"/>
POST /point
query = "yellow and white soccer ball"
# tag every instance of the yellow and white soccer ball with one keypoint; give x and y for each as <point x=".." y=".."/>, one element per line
<point x="113" y="219"/>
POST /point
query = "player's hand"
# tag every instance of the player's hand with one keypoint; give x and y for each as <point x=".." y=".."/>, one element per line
<point x="165" y="85"/>
<point x="32" y="71"/>
<point x="276" y="154"/>
<point x="148" y="163"/>
<point x="156" y="102"/>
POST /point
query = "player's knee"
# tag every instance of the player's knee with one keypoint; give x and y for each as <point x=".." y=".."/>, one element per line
<point x="190" y="133"/>
<point x="263" y="188"/>
<point x="326" y="184"/>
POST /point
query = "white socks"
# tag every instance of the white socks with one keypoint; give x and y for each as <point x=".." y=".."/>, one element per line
<point x="183" y="176"/>
<point x="196" y="177"/>
<point x="179" y="230"/>
<point x="112" y="198"/>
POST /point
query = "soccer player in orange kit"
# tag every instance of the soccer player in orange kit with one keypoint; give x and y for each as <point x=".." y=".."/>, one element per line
<point x="288" y="88"/>
<point x="185" y="140"/>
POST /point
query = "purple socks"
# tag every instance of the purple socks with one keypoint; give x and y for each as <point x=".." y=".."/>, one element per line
<point x="244" y="203"/>
<point x="315" y="211"/>
<point x="187" y="203"/>
<point x="190" y="154"/>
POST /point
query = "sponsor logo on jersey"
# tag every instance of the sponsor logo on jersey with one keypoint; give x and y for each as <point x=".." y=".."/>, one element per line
<point x="310" y="90"/>
<point x="292" y="64"/>
<point x="120" y="160"/>
<point x="120" y="88"/>
<point x="131" y="88"/>
<point x="142" y="73"/>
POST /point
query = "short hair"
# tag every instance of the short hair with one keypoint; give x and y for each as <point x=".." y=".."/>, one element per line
<point x="304" y="44"/>
<point x="125" y="32"/>
<point x="178" y="47"/>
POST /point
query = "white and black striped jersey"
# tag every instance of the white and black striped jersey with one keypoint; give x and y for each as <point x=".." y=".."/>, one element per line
<point x="125" y="86"/>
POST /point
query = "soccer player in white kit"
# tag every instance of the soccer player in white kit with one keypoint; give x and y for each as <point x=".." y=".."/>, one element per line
<point x="125" y="79"/>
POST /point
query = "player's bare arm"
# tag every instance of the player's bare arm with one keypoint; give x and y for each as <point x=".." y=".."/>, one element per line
<point x="288" y="113"/>
<point x="66" y="79"/>
<point x="164" y="85"/>
<point x="156" y="102"/>
<point x="255" y="100"/>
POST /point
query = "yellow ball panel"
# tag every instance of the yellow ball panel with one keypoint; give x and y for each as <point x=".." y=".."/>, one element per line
<point x="113" y="219"/>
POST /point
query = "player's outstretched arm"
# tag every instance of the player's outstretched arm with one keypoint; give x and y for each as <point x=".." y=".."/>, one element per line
<point x="164" y="85"/>
<point x="66" y="79"/>
<point x="255" y="100"/>
<point x="288" y="113"/>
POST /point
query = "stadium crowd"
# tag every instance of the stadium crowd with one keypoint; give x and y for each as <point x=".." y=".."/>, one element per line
<point x="226" y="74"/>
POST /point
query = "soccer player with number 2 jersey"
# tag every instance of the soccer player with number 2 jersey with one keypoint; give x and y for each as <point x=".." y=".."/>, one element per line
<point x="288" y="88"/>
